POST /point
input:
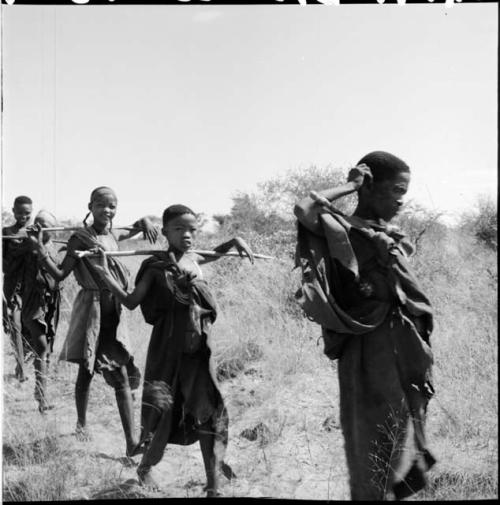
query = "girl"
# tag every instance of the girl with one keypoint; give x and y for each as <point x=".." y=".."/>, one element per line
<point x="181" y="402"/>
<point x="95" y="339"/>
<point x="376" y="321"/>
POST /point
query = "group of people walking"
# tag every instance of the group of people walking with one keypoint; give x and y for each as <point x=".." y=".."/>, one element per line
<point x="356" y="284"/>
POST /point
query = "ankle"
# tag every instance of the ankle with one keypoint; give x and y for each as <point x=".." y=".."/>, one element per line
<point x="81" y="424"/>
<point x="143" y="470"/>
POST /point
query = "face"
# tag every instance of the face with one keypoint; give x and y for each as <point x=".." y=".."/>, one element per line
<point x="103" y="209"/>
<point x="45" y="221"/>
<point x="22" y="213"/>
<point x="180" y="232"/>
<point x="386" y="198"/>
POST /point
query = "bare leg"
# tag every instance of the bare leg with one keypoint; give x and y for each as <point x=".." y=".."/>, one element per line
<point x="82" y="388"/>
<point x="16" y="337"/>
<point x="207" y="445"/>
<point x="118" y="378"/>
<point x="41" y="349"/>
<point x="145" y="477"/>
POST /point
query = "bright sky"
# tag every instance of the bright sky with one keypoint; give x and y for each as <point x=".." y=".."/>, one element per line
<point x="189" y="104"/>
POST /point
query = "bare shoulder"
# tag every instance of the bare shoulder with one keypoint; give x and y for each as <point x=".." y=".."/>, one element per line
<point x="195" y="257"/>
<point x="119" y="235"/>
<point x="75" y="244"/>
<point x="8" y="230"/>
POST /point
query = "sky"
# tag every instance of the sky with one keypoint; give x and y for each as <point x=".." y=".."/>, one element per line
<point x="191" y="104"/>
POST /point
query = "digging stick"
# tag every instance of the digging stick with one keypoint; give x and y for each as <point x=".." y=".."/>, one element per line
<point x="64" y="228"/>
<point x="211" y="254"/>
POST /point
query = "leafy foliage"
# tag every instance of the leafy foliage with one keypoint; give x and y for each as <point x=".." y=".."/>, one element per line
<point x="266" y="216"/>
<point x="482" y="222"/>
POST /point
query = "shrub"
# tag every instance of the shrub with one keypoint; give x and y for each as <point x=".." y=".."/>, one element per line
<point x="482" y="222"/>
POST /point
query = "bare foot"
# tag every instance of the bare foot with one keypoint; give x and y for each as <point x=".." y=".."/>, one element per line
<point x="82" y="434"/>
<point x="213" y="493"/>
<point x="146" y="479"/>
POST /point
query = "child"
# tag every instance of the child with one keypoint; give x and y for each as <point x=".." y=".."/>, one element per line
<point x="14" y="251"/>
<point x="181" y="402"/>
<point x="95" y="339"/>
<point x="40" y="307"/>
<point x="376" y="321"/>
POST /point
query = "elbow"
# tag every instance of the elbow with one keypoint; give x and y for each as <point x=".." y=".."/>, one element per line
<point x="298" y="210"/>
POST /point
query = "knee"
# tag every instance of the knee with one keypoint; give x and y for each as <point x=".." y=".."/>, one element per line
<point x="117" y="379"/>
<point x="41" y="348"/>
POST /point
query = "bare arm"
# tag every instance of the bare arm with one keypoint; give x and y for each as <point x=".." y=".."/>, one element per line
<point x="237" y="242"/>
<point x="307" y="211"/>
<point x="144" y="225"/>
<point x="129" y="300"/>
<point x="69" y="261"/>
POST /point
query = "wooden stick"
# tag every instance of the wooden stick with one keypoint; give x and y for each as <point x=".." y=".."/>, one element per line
<point x="211" y="254"/>
<point x="65" y="228"/>
<point x="74" y="228"/>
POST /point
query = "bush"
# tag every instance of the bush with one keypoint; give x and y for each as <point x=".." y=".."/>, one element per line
<point x="482" y="222"/>
<point x="268" y="211"/>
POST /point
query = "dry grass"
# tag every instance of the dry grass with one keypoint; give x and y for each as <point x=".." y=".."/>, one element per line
<point x="279" y="386"/>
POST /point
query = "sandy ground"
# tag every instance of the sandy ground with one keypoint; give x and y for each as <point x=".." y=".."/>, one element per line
<point x="297" y="452"/>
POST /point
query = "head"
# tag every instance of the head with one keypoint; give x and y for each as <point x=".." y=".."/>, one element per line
<point x="22" y="209"/>
<point x="179" y="227"/>
<point x="102" y="206"/>
<point x="46" y="220"/>
<point x="383" y="196"/>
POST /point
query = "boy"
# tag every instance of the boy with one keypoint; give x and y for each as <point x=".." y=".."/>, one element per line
<point x="12" y="260"/>
<point x="357" y="284"/>
<point x="181" y="402"/>
<point x="40" y="301"/>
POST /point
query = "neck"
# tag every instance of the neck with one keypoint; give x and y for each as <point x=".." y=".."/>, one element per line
<point x="176" y="252"/>
<point x="365" y="212"/>
<point x="99" y="228"/>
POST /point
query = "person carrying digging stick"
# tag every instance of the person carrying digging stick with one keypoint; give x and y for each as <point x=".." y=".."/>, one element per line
<point x="13" y="253"/>
<point x="39" y="301"/>
<point x="181" y="403"/>
<point x="96" y="340"/>
<point x="376" y="321"/>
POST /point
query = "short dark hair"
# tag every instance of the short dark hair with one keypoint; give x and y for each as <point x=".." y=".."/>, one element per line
<point x="384" y="166"/>
<point x="22" y="200"/>
<point x="174" y="211"/>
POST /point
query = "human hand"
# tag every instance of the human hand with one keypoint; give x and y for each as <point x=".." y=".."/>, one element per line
<point x="185" y="280"/>
<point x="101" y="267"/>
<point x="36" y="239"/>
<point x="358" y="174"/>
<point x="243" y="249"/>
<point x="149" y="230"/>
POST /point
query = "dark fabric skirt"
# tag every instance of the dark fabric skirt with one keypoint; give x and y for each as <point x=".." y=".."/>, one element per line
<point x="111" y="354"/>
<point x="385" y="385"/>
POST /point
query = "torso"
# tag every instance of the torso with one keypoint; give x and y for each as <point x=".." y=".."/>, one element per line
<point x="371" y="274"/>
<point x="109" y="316"/>
<point x="189" y="264"/>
